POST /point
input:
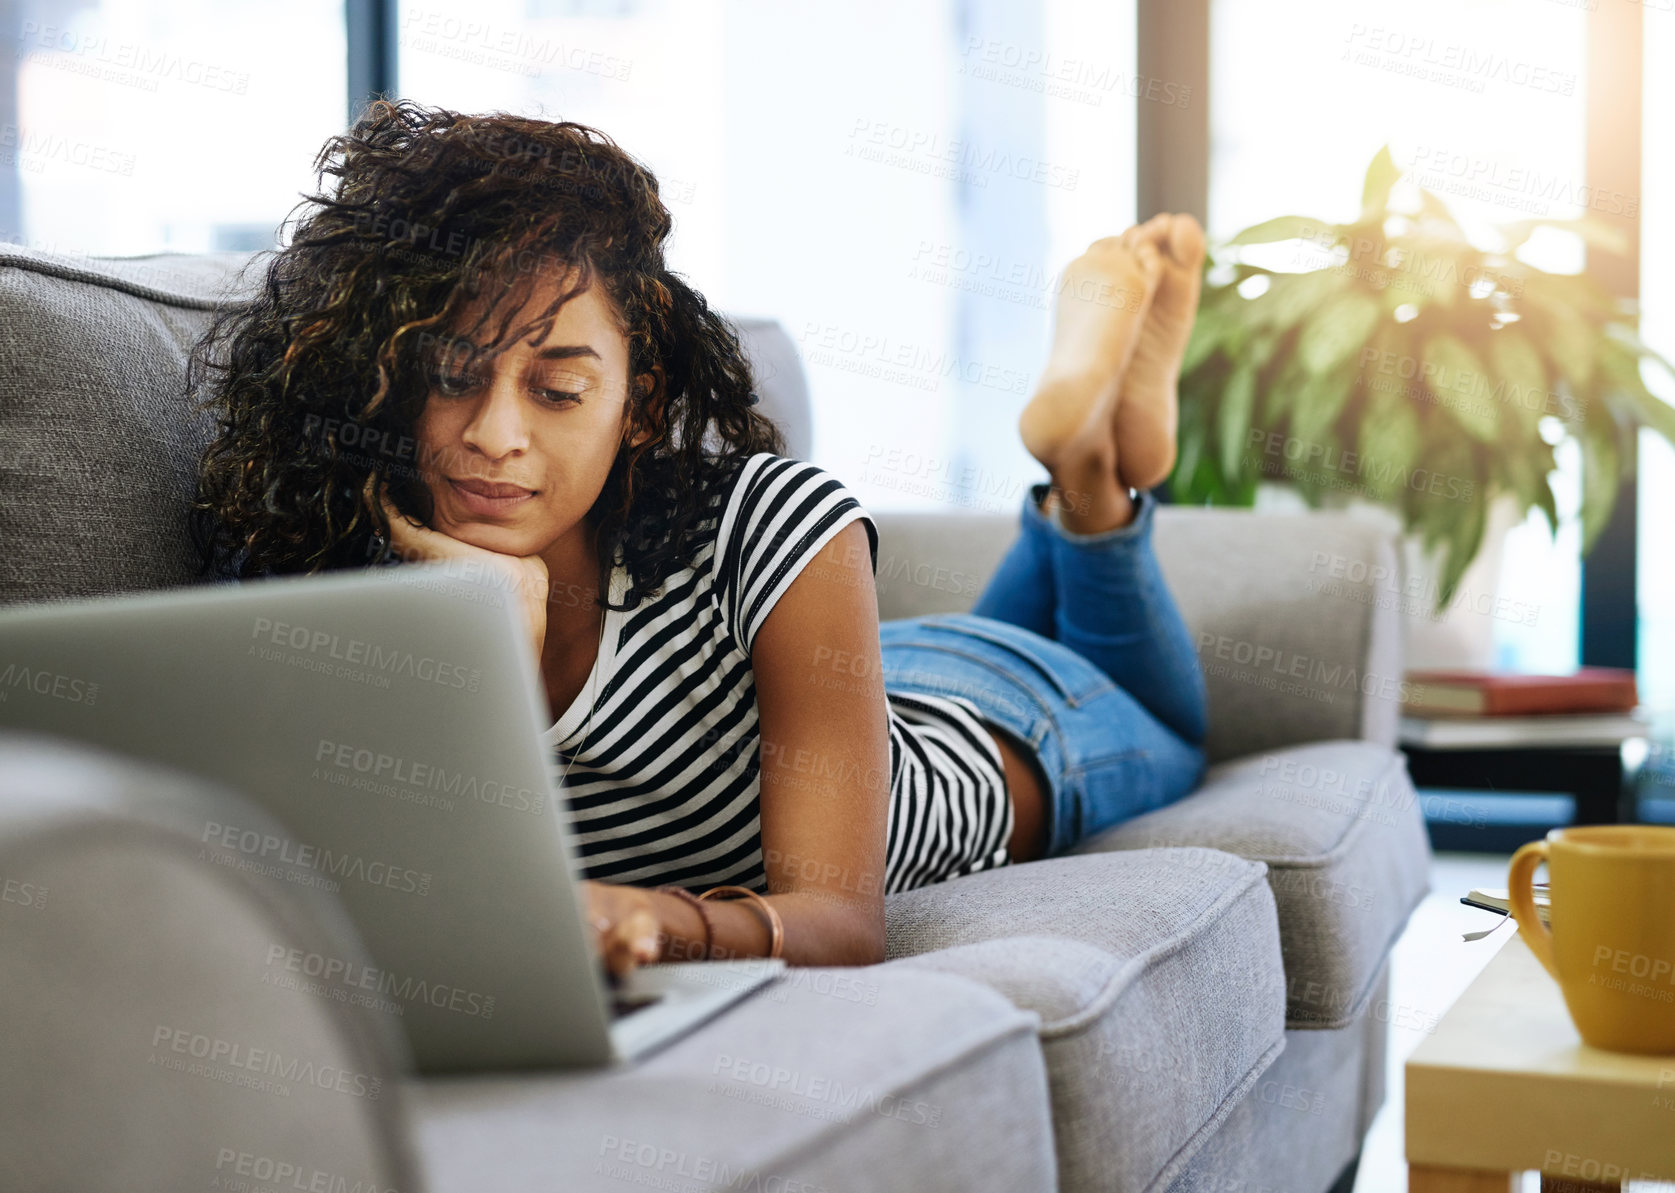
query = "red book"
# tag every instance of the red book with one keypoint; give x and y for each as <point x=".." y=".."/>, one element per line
<point x="1485" y="694"/>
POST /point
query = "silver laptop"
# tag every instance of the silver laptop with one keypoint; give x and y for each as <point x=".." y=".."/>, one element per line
<point x="390" y="721"/>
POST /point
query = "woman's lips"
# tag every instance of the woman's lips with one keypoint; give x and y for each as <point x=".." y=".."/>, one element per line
<point x="488" y="498"/>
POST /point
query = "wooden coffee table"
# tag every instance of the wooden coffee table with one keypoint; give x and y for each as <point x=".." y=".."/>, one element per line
<point x="1505" y="1085"/>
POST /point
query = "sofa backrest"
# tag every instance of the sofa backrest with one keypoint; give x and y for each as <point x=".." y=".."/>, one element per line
<point x="99" y="443"/>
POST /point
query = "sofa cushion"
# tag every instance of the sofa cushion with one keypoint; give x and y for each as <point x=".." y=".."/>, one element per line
<point x="1294" y="629"/>
<point x="1306" y="1118"/>
<point x="1343" y="837"/>
<point x="146" y="1045"/>
<point x="1157" y="980"/>
<point x="99" y="442"/>
<point x="828" y="1079"/>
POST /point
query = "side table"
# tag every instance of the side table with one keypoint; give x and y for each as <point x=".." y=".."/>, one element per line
<point x="1580" y="756"/>
<point x="1505" y="1085"/>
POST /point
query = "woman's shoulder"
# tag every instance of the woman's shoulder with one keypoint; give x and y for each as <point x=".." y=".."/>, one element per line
<point x="778" y="479"/>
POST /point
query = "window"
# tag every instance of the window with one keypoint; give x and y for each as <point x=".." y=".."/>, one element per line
<point x="154" y="125"/>
<point x="900" y="203"/>
<point x="1484" y="104"/>
<point x="1656" y="562"/>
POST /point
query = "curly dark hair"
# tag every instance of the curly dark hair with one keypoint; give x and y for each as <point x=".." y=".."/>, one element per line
<point x="317" y="380"/>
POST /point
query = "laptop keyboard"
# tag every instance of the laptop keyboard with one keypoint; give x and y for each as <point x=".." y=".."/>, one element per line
<point x="624" y="1004"/>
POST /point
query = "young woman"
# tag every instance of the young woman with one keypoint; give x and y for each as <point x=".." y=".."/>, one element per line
<point x="474" y="350"/>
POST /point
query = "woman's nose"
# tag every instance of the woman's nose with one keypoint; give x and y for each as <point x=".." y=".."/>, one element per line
<point x="497" y="426"/>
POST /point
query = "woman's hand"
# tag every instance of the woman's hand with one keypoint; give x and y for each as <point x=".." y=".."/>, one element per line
<point x="626" y="930"/>
<point x="525" y="575"/>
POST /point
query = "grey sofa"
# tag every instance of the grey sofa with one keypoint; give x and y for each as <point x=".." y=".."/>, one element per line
<point x="1195" y="1000"/>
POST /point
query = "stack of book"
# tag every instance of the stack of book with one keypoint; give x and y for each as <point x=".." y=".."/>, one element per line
<point x="1460" y="709"/>
<point x="1497" y="901"/>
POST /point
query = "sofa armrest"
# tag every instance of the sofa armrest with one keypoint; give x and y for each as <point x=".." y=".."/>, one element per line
<point x="1295" y="615"/>
<point x="164" y="1047"/>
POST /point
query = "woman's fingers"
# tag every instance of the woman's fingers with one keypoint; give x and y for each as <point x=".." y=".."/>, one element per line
<point x="414" y="540"/>
<point x="625" y="928"/>
<point x="525" y="577"/>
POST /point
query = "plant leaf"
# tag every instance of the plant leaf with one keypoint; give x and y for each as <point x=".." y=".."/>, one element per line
<point x="1464" y="540"/>
<point x="1381" y="175"/>
<point x="1518" y="377"/>
<point x="1319" y="402"/>
<point x="1190" y="435"/>
<point x="1233" y="417"/>
<point x="1280" y="394"/>
<point x="1387" y="441"/>
<point x="1284" y="227"/>
<point x="1208" y="329"/>
<point x="1291" y="296"/>
<point x="1457" y="379"/>
<point x="1600" y="479"/>
<point x="1570" y="346"/>
<point x="1337" y="330"/>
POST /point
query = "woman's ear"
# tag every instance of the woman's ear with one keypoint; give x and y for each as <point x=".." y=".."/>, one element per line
<point x="649" y="396"/>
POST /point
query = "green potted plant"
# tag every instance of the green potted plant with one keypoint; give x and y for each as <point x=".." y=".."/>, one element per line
<point x="1409" y="367"/>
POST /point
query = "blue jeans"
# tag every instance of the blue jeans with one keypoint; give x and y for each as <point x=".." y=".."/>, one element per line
<point x="1077" y="651"/>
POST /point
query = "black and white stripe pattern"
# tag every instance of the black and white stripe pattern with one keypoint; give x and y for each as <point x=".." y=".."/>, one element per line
<point x="662" y="779"/>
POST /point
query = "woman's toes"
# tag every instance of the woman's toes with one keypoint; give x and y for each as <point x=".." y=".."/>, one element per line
<point x="1146" y="415"/>
<point x="1097" y="322"/>
<point x="1185" y="243"/>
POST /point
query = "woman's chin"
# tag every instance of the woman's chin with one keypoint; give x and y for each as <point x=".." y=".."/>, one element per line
<point x="490" y="537"/>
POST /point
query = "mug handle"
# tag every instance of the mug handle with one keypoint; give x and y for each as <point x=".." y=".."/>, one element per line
<point x="1536" y="934"/>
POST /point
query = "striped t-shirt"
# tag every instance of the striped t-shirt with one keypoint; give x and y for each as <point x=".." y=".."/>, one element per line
<point x="662" y="781"/>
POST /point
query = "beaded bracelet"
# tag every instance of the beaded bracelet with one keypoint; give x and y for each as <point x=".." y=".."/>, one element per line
<point x="703" y="916"/>
<point x="776" y="927"/>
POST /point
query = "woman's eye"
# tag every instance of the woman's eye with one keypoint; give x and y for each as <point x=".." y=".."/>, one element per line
<point x="558" y="397"/>
<point x="452" y="384"/>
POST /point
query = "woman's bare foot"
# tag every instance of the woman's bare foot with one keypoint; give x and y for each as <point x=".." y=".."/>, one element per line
<point x="1146" y="410"/>
<point x="1069" y="424"/>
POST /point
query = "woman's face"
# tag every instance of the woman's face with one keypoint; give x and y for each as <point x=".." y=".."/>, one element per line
<point x="515" y="448"/>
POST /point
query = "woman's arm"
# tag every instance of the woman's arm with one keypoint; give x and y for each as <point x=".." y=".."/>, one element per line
<point x="825" y="751"/>
<point x="825" y="785"/>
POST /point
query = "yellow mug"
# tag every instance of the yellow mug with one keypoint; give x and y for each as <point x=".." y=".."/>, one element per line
<point x="1611" y="947"/>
